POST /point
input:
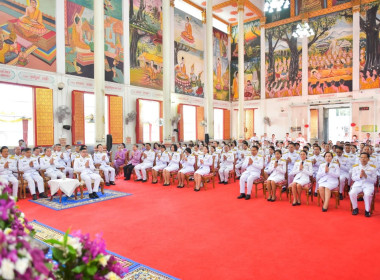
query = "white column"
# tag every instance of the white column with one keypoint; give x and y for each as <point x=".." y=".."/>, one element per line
<point x="209" y="96"/>
<point x="356" y="49"/>
<point x="241" y="118"/>
<point x="262" y="66"/>
<point x="305" y="64"/>
<point x="127" y="77"/>
<point x="60" y="35"/>
<point x="167" y="69"/>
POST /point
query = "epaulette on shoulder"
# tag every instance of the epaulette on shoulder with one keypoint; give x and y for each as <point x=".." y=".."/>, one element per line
<point x="77" y="156"/>
<point x="273" y="159"/>
<point x="355" y="165"/>
<point x="260" y="155"/>
<point x="12" y="157"/>
<point x="308" y="160"/>
<point x="297" y="160"/>
<point x="374" y="166"/>
<point x="345" y="156"/>
<point x="283" y="159"/>
<point x="22" y="157"/>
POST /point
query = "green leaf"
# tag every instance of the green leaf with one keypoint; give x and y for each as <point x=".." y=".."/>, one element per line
<point x="91" y="270"/>
<point x="79" y="268"/>
<point x="57" y="255"/>
<point x="53" y="241"/>
<point x="65" y="237"/>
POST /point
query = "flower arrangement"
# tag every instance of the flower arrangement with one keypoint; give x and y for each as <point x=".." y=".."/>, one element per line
<point x="19" y="259"/>
<point x="78" y="257"/>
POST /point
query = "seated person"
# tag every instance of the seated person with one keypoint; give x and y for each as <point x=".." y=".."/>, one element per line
<point x="328" y="179"/>
<point x="30" y="167"/>
<point x="241" y="154"/>
<point x="226" y="164"/>
<point x="161" y="162"/>
<point x="302" y="170"/>
<point x="135" y="159"/>
<point x="47" y="163"/>
<point x="147" y="157"/>
<point x="8" y="165"/>
<point x="101" y="158"/>
<point x="204" y="163"/>
<point x="187" y="161"/>
<point x="63" y="162"/>
<point x="277" y="171"/>
<point x="119" y="157"/>
<point x="344" y="164"/>
<point x="364" y="177"/>
<point x="252" y="165"/>
<point x="32" y="20"/>
<point x="85" y="166"/>
<point x="174" y="158"/>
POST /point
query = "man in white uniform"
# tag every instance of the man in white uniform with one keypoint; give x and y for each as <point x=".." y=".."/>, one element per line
<point x="101" y="158"/>
<point x="226" y="165"/>
<point x="85" y="166"/>
<point x="241" y="154"/>
<point x="317" y="159"/>
<point x="344" y="165"/>
<point x="8" y="165"/>
<point x="291" y="158"/>
<point x="62" y="161"/>
<point x="364" y="175"/>
<point x="47" y="163"/>
<point x="148" y="157"/>
<point x="30" y="167"/>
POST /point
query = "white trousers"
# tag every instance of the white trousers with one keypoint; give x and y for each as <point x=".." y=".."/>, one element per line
<point x="87" y="178"/>
<point x="109" y="173"/>
<point x="368" y="194"/>
<point x="342" y="178"/>
<point x="224" y="172"/>
<point x="54" y="174"/>
<point x="248" y="177"/>
<point x="238" y="169"/>
<point x="140" y="170"/>
<point x="10" y="179"/>
<point x="31" y="178"/>
<point x="70" y="171"/>
<point x="159" y="167"/>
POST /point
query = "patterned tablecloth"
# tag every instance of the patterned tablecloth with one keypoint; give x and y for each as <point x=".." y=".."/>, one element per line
<point x="67" y="186"/>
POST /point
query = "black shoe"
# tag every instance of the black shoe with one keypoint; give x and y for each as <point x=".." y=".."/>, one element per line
<point x="34" y="197"/>
<point x="324" y="210"/>
<point x="91" y="195"/>
<point x="294" y="204"/>
<point x="273" y="200"/>
<point x="180" y="187"/>
<point x="107" y="184"/>
<point x="269" y="199"/>
<point x="340" y="196"/>
<point x="197" y="190"/>
<point x="154" y="182"/>
<point x="43" y="195"/>
<point x="95" y="195"/>
<point x="367" y="214"/>
<point x="315" y="194"/>
<point x="309" y="191"/>
<point x="112" y="183"/>
<point x="298" y="203"/>
<point x="165" y="185"/>
<point x="247" y="197"/>
<point x="242" y="195"/>
<point x="225" y="183"/>
<point x="360" y="199"/>
<point x="355" y="211"/>
<point x="191" y="179"/>
<point x="221" y="182"/>
<point x="238" y="178"/>
<point x="138" y="180"/>
<point x="283" y="190"/>
<point x="127" y="179"/>
<point x="143" y="181"/>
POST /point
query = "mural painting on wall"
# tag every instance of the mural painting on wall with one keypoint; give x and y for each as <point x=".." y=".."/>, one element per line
<point x="277" y="15"/>
<point x="145" y="28"/>
<point x="251" y="61"/>
<point x="188" y="54"/>
<point x="28" y="34"/>
<point x="283" y="62"/>
<point x="221" y="66"/>
<point x="369" y="46"/>
<point x="338" y="2"/>
<point x="330" y="53"/>
<point x="306" y="6"/>
<point x="79" y="39"/>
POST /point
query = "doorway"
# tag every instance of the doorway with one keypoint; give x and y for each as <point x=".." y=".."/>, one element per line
<point x="336" y="122"/>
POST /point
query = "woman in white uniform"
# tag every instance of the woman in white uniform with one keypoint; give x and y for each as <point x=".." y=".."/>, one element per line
<point x="328" y="179"/>
<point x="161" y="162"/>
<point x="302" y="170"/>
<point x="187" y="161"/>
<point x="174" y="158"/>
<point x="204" y="164"/>
<point x="214" y="154"/>
<point x="277" y="170"/>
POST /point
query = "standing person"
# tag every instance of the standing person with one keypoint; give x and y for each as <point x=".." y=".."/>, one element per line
<point x="226" y="165"/>
<point x="187" y="161"/>
<point x="301" y="139"/>
<point x="328" y="179"/>
<point x="174" y="159"/>
<point x="287" y="139"/>
<point x="161" y="162"/>
<point x="277" y="171"/>
<point x="85" y="166"/>
<point x="252" y="165"/>
<point x="302" y="170"/>
<point x="30" y="167"/>
<point x="8" y="165"/>
<point x="22" y="144"/>
<point x="364" y="177"/>
<point x="147" y="157"/>
<point x="119" y="157"/>
<point x="135" y="159"/>
<point x="101" y="158"/>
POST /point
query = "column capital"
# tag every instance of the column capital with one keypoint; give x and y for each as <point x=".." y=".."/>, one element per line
<point x="356" y="8"/>
<point x="204" y="16"/>
<point x="229" y="30"/>
<point x="172" y="4"/>
<point x="263" y="21"/>
<point x="240" y="5"/>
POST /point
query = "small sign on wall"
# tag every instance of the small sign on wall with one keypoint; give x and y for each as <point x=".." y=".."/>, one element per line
<point x="293" y="128"/>
<point x="363" y="108"/>
<point x="369" y="128"/>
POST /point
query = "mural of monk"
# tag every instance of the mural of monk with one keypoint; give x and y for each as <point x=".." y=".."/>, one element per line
<point x="235" y="86"/>
<point x="188" y="33"/>
<point x="32" y="20"/>
<point x="77" y="37"/>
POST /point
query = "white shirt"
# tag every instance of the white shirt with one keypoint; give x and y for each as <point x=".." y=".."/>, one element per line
<point x="80" y="165"/>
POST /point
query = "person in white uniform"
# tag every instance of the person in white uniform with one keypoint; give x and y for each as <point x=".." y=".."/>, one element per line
<point x="47" y="163"/>
<point x="174" y="159"/>
<point x="328" y="179"/>
<point x="205" y="162"/>
<point x="291" y="156"/>
<point x="62" y="161"/>
<point x="187" y="162"/>
<point x="241" y="154"/>
<point x="302" y="170"/>
<point x="8" y="165"/>
<point x="30" y="167"/>
<point x="227" y="160"/>
<point x="317" y="159"/>
<point x="345" y="166"/>
<point x="253" y="165"/>
<point x="162" y="160"/>
<point x="364" y="177"/>
<point x="277" y="171"/>
<point x="148" y="157"/>
<point x="101" y="158"/>
<point x="85" y="166"/>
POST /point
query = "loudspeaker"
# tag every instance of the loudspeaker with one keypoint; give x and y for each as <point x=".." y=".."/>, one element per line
<point x="67" y="127"/>
<point x="207" y="138"/>
<point x="109" y="142"/>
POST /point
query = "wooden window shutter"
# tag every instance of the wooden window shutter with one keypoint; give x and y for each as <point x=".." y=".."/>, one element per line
<point x="161" y="127"/>
<point x="226" y="124"/>
<point x="200" y="129"/>
<point x="78" y="133"/>
<point x="115" y="118"/>
<point x="44" y="117"/>
<point x="139" y="125"/>
<point x="180" y="124"/>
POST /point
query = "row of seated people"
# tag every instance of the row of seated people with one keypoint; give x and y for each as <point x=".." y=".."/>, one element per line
<point x="33" y="166"/>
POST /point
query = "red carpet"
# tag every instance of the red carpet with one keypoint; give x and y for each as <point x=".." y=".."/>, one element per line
<point x="212" y="235"/>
